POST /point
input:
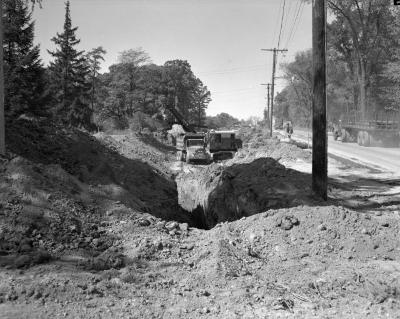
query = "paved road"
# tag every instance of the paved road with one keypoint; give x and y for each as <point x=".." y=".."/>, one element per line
<point x="380" y="157"/>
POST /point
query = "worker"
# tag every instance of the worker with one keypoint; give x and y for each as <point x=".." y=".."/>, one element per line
<point x="289" y="129"/>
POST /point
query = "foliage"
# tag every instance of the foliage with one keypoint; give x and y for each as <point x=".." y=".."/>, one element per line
<point x="24" y="88"/>
<point x="362" y="63"/>
<point x="221" y="121"/>
<point x="68" y="77"/>
<point x="362" y="36"/>
<point x="134" y="90"/>
<point x="94" y="58"/>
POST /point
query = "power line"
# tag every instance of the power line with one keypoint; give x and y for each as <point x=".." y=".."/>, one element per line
<point x="280" y="31"/>
<point x="285" y="27"/>
<point x="296" y="13"/>
<point x="233" y="70"/>
<point x="296" y="20"/>
<point x="277" y="24"/>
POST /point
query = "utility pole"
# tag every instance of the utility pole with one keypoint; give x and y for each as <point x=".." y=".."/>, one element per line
<point x="275" y="51"/>
<point x="2" y="121"/>
<point x="320" y="143"/>
<point x="268" y="85"/>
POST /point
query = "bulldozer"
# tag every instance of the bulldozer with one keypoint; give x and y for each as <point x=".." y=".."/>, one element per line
<point x="222" y="145"/>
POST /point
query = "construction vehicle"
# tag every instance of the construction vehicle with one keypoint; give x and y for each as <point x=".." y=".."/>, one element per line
<point x="191" y="145"/>
<point x="378" y="129"/>
<point x="222" y="144"/>
<point x="198" y="147"/>
<point x="192" y="148"/>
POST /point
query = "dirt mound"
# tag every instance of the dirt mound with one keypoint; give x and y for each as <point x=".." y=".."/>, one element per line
<point x="60" y="186"/>
<point x="45" y="209"/>
<point x="131" y="181"/>
<point x="316" y="259"/>
<point x="266" y="147"/>
<point x="143" y="147"/>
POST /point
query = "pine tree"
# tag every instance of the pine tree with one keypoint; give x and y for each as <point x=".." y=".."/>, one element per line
<point x="68" y="74"/>
<point x="94" y="57"/>
<point x="24" y="86"/>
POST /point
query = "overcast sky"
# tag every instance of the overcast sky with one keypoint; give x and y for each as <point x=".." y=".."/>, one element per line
<point x="221" y="39"/>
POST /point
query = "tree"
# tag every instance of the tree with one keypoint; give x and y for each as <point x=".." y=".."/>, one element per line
<point x="25" y="84"/>
<point x="2" y="122"/>
<point x="68" y="73"/>
<point x="180" y="84"/>
<point x="364" y="40"/>
<point x="94" y="58"/>
<point x="221" y="121"/>
<point x="201" y="97"/>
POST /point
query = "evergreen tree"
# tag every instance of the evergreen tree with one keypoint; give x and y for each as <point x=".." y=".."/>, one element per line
<point x="94" y="58"/>
<point x="68" y="74"/>
<point x="22" y="65"/>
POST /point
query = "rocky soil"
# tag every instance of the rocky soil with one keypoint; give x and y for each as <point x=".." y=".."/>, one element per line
<point x="90" y="227"/>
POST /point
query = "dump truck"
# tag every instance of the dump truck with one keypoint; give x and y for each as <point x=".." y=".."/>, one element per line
<point x="192" y="148"/>
<point x="377" y="129"/>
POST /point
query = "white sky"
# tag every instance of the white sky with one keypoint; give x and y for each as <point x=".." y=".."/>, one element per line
<point x="221" y="39"/>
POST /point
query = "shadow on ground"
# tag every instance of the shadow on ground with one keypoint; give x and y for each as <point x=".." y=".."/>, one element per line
<point x="131" y="182"/>
<point x="363" y="194"/>
<point x="58" y="189"/>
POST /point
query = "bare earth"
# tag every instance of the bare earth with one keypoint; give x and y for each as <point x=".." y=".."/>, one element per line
<point x="112" y="227"/>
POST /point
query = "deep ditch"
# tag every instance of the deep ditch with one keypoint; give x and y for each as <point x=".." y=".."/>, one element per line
<point x="217" y="193"/>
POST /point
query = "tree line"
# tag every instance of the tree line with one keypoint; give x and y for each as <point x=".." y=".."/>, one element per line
<point x="73" y="91"/>
<point x="363" y="63"/>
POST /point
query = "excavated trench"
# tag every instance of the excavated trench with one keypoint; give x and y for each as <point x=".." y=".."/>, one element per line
<point x="218" y="193"/>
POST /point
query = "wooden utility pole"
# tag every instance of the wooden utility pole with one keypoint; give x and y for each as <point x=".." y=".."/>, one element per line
<point x="319" y="137"/>
<point x="268" y="97"/>
<point x="2" y="121"/>
<point x="268" y="85"/>
<point x="275" y="51"/>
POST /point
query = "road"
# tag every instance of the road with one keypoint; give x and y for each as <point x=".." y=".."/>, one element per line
<point x="387" y="159"/>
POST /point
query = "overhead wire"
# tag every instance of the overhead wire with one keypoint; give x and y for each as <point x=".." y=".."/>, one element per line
<point x="234" y="70"/>
<point x="286" y="18"/>
<point x="277" y="24"/>
<point x="280" y="31"/>
<point x="295" y="22"/>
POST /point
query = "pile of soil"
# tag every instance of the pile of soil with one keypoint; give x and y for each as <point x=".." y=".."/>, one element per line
<point x="303" y="262"/>
<point x="131" y="181"/>
<point x="143" y="147"/>
<point x="59" y="186"/>
<point x="79" y="240"/>
<point x="263" y="146"/>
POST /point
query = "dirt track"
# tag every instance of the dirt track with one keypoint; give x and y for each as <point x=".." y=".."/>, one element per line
<point x="109" y="258"/>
